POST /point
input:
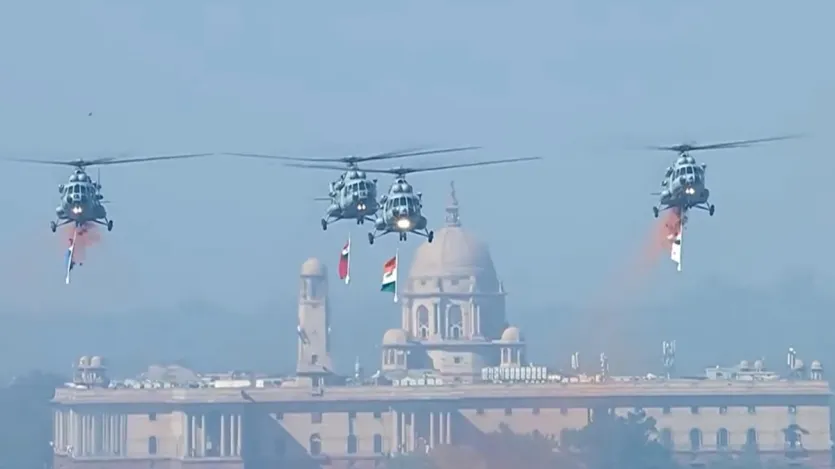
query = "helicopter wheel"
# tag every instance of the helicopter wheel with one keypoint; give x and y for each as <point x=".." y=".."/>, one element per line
<point x="109" y="225"/>
<point x="430" y="236"/>
<point x="53" y="226"/>
<point x="324" y="225"/>
<point x="655" y="211"/>
<point x="710" y="210"/>
<point x="370" y="238"/>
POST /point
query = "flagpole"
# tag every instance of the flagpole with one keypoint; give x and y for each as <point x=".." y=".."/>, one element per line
<point x="396" y="273"/>
<point x="348" y="273"/>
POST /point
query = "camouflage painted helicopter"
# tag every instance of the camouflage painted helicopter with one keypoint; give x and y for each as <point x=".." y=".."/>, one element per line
<point x="684" y="184"/>
<point x="401" y="210"/>
<point x="81" y="198"/>
<point x="353" y="196"/>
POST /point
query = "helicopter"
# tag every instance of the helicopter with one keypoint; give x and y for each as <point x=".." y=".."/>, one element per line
<point x="81" y="199"/>
<point x="684" y="184"/>
<point x="352" y="196"/>
<point x="401" y="210"/>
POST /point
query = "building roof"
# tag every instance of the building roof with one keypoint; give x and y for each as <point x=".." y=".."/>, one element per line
<point x="313" y="268"/>
<point x="454" y="252"/>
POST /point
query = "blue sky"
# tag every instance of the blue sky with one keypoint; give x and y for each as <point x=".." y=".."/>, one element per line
<point x="582" y="84"/>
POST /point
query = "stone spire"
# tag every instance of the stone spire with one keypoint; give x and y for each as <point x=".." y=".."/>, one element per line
<point x="452" y="209"/>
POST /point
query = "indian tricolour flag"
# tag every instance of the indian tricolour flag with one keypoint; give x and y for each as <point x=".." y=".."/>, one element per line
<point x="390" y="276"/>
<point x="345" y="262"/>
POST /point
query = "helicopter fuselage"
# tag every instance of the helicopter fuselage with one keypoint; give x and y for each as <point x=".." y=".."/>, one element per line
<point x="81" y="203"/>
<point x="684" y="187"/>
<point x="401" y="213"/>
<point x="351" y="198"/>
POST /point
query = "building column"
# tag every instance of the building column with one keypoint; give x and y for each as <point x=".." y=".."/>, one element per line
<point x="431" y="429"/>
<point x="449" y="428"/>
<point x="222" y="435"/>
<point x="413" y="433"/>
<point x="239" y="425"/>
<point x="202" y="435"/>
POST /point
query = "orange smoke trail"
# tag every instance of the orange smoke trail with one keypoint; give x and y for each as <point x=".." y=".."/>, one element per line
<point x="88" y="236"/>
<point x="608" y="318"/>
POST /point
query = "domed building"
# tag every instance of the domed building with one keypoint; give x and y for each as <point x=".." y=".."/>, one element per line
<point x="453" y="309"/>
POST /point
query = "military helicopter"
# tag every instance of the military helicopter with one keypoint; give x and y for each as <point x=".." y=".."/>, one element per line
<point x="684" y="183"/>
<point x="401" y="210"/>
<point x="352" y="196"/>
<point x="81" y="198"/>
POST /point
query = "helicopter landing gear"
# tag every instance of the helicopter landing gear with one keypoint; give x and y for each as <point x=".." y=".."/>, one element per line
<point x="711" y="209"/>
<point x="430" y="236"/>
<point x="109" y="225"/>
<point x="370" y="238"/>
<point x="53" y="226"/>
<point x="402" y="236"/>
<point x="324" y="225"/>
<point x="655" y="211"/>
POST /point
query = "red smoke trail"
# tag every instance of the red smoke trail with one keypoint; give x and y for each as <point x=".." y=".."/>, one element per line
<point x="87" y="237"/>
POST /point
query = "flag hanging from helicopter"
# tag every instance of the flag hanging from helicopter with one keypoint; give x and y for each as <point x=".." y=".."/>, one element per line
<point x="69" y="258"/>
<point x="345" y="262"/>
<point x="389" y="283"/>
<point x="675" y="251"/>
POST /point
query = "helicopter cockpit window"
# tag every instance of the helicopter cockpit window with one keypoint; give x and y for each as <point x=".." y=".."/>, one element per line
<point x="74" y="188"/>
<point x="689" y="170"/>
<point x="362" y="186"/>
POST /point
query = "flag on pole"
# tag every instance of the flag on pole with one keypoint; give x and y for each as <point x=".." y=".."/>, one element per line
<point x="69" y="257"/>
<point x="345" y="262"/>
<point x="390" y="277"/>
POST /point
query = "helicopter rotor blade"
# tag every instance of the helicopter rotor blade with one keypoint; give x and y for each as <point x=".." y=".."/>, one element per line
<point x="81" y="163"/>
<point x="684" y="147"/>
<point x="404" y="171"/>
<point x="353" y="160"/>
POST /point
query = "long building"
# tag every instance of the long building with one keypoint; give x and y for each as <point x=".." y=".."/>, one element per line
<point x="452" y="372"/>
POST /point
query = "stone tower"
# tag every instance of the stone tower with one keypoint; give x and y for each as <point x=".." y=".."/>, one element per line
<point x="314" y="358"/>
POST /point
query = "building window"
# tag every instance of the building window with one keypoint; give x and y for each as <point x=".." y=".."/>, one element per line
<point x="315" y="444"/>
<point x="694" y="410"/>
<point x="152" y="416"/>
<point x="666" y="411"/>
<point x="508" y="411"/>
<point x="751" y="439"/>
<point x="535" y="411"/>
<point x="479" y="411"/>
<point x="378" y="444"/>
<point x="723" y="410"/>
<point x="316" y="417"/>
<point x="722" y="438"/>
<point x="456" y="360"/>
<point x="352" y="444"/>
<point x="695" y="439"/>
<point x="752" y="410"/>
<point x="314" y="359"/>
<point x="378" y="415"/>
<point x="152" y="445"/>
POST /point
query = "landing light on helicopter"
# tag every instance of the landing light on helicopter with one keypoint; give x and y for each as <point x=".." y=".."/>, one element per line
<point x="76" y="210"/>
<point x="690" y="191"/>
<point x="361" y="206"/>
<point x="403" y="223"/>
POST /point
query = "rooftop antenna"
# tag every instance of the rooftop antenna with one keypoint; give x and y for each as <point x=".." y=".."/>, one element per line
<point x="357" y="370"/>
<point x="575" y="363"/>
<point x="791" y="358"/>
<point x="604" y="366"/>
<point x="668" y="351"/>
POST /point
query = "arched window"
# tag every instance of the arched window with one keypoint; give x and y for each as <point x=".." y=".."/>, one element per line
<point x="722" y="438"/>
<point x="378" y="444"/>
<point x="455" y="325"/>
<point x="423" y="321"/>
<point x="315" y="444"/>
<point x="352" y="444"/>
<point x="695" y="439"/>
<point x="152" y="445"/>
<point x="751" y="438"/>
<point x="667" y="438"/>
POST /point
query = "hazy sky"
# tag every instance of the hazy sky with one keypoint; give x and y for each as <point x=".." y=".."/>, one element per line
<point x="582" y="84"/>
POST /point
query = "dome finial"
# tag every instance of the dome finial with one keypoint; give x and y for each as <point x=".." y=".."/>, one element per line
<point x="452" y="209"/>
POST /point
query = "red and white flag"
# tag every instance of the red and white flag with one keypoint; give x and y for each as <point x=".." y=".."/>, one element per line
<point x="345" y="262"/>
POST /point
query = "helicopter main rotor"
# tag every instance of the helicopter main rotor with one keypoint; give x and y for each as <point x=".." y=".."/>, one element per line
<point x="686" y="148"/>
<point x="402" y="172"/>
<point x="352" y="161"/>
<point x="82" y="163"/>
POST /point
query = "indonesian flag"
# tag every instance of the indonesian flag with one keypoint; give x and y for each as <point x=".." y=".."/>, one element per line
<point x="345" y="262"/>
<point x="390" y="277"/>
